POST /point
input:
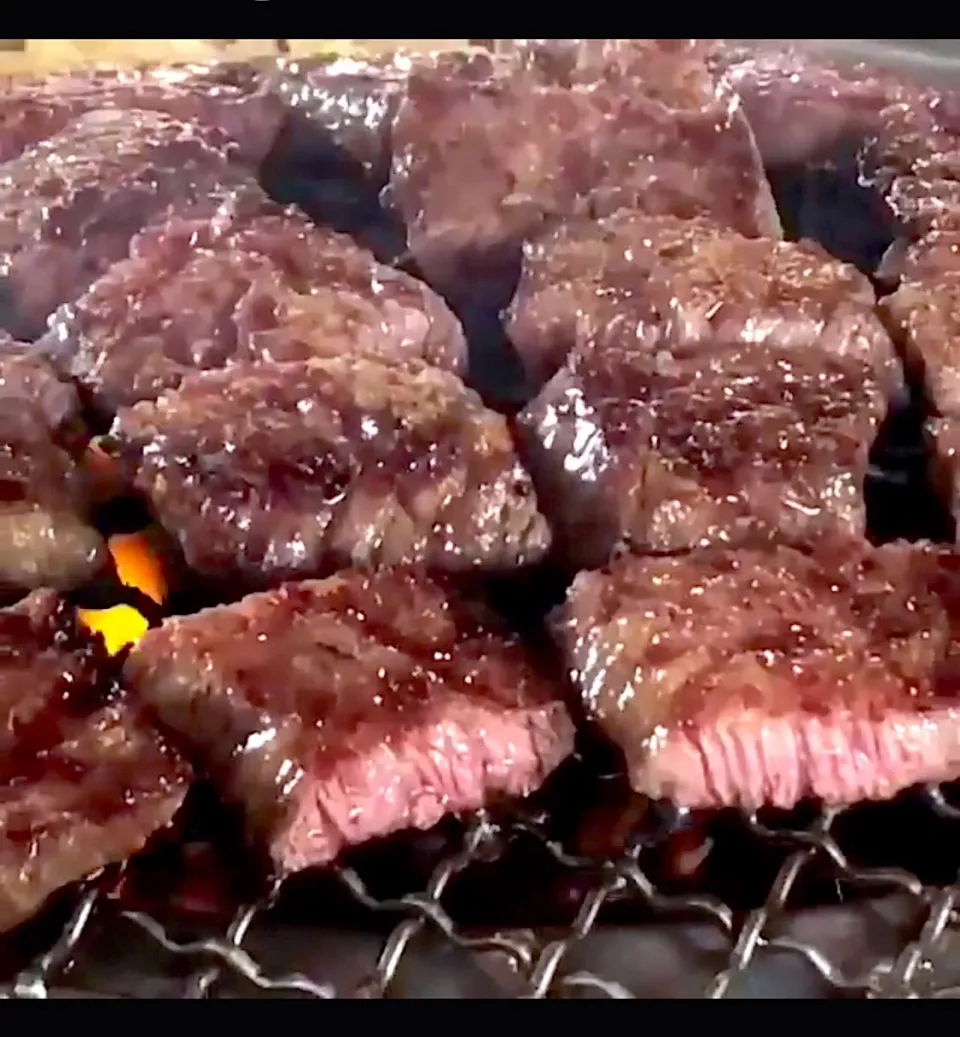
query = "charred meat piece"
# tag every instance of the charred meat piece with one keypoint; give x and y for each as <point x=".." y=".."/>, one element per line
<point x="46" y="539"/>
<point x="338" y="711"/>
<point x="230" y="96"/>
<point x="639" y="276"/>
<point x="801" y="104"/>
<point x="254" y="282"/>
<point x="672" y="71"/>
<point x="484" y="160"/>
<point x="924" y="319"/>
<point x="943" y="451"/>
<point x="752" y="678"/>
<point x="84" y="782"/>
<point x="860" y="158"/>
<point x="742" y="444"/>
<point x="586" y="279"/>
<point x="269" y="471"/>
<point x="342" y="110"/>
<point x="70" y="205"/>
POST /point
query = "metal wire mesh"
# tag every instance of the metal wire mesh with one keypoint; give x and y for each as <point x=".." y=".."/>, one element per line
<point x="553" y="963"/>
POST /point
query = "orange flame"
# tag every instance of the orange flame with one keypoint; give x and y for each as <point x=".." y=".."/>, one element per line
<point x="138" y="566"/>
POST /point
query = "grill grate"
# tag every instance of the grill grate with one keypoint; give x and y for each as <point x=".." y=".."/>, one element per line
<point x="916" y="956"/>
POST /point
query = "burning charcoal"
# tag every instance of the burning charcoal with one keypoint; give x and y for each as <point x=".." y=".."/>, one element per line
<point x="83" y="781"/>
<point x="335" y="712"/>
<point x="69" y="206"/>
<point x="702" y="285"/>
<point x="268" y="471"/>
<point x="229" y="96"/>
<point x="45" y="537"/>
<point x="745" y="443"/>
<point x="749" y="678"/>
<point x="254" y="282"/>
<point x="483" y="160"/>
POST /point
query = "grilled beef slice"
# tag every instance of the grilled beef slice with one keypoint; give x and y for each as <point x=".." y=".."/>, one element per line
<point x="738" y="445"/>
<point x="268" y="471"/>
<point x="230" y="96"/>
<point x="673" y="71"/>
<point x="637" y="276"/>
<point x="334" y="712"/>
<point x="252" y="282"/>
<point x="484" y="158"/>
<point x="751" y="678"/>
<point x="70" y="205"/>
<point x="45" y="498"/>
<point x="84" y="782"/>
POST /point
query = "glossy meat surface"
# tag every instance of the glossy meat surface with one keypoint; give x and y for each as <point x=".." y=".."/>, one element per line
<point x="942" y="437"/>
<point x="269" y="471"/>
<point x="799" y="103"/>
<point x="636" y="277"/>
<point x="752" y="678"/>
<point x="252" y="282"/>
<point x="673" y="71"/>
<point x="924" y="319"/>
<point x="745" y="444"/>
<point x="343" y="110"/>
<point x="484" y="159"/>
<point x="84" y="782"/>
<point x="45" y="537"/>
<point x="69" y="206"/>
<point x="228" y="96"/>
<point x="334" y="712"/>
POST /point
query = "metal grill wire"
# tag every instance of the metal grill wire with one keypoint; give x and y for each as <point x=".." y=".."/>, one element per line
<point x="542" y="963"/>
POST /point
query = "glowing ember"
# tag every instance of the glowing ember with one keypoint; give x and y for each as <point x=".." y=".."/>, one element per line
<point x="137" y="566"/>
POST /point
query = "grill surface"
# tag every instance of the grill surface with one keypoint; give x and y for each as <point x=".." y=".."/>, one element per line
<point x="889" y="933"/>
<point x="903" y="941"/>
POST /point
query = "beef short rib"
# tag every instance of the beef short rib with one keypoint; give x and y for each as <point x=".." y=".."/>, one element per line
<point x="268" y="471"/>
<point x="747" y="679"/>
<point x="484" y="158"/>
<point x="338" y="711"/>
<point x="70" y="205"/>
<point x="737" y="445"/>
<point x="46" y="539"/>
<point x="637" y="276"/>
<point x="229" y="96"/>
<point x="252" y="282"/>
<point x="84" y="782"/>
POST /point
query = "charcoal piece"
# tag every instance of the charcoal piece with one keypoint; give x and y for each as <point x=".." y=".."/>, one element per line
<point x="254" y="282"/>
<point x="46" y="539"/>
<point x="762" y="678"/>
<point x="269" y="471"/>
<point x="637" y="277"/>
<point x="338" y="711"/>
<point x="84" y="781"/>
<point x="482" y="163"/>
<point x="924" y="320"/>
<point x="70" y="205"/>
<point x="230" y="96"/>
<point x="741" y="445"/>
